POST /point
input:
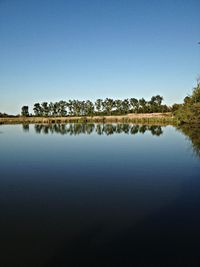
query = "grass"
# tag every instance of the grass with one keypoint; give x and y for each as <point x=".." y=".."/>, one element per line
<point x="148" y="118"/>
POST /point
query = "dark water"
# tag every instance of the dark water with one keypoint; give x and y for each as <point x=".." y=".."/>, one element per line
<point x="99" y="195"/>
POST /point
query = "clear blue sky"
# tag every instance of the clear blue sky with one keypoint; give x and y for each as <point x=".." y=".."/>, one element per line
<point x="88" y="49"/>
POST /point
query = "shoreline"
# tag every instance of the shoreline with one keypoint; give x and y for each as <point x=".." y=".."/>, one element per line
<point x="149" y="118"/>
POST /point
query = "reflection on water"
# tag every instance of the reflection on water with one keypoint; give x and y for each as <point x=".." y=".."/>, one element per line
<point x="92" y="195"/>
<point x="25" y="127"/>
<point x="100" y="129"/>
<point x="193" y="134"/>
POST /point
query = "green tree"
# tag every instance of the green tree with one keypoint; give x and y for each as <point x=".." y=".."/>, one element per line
<point x="37" y="109"/>
<point x="142" y="105"/>
<point x="108" y="105"/>
<point x="195" y="98"/>
<point x="155" y="104"/>
<point x="134" y="104"/>
<point x="98" y="105"/>
<point x="89" y="108"/>
<point x="118" y="106"/>
<point x="25" y="111"/>
<point x="62" y="108"/>
<point x="56" y="109"/>
<point x="176" y="107"/>
<point x="125" y="106"/>
<point x="51" y="108"/>
<point x="158" y="100"/>
<point x="189" y="111"/>
<point x="45" y="109"/>
<point x="70" y="107"/>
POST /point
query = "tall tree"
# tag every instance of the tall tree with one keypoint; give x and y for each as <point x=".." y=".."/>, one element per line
<point x="189" y="111"/>
<point x="159" y="100"/>
<point x="89" y="107"/>
<point x="134" y="104"/>
<point x="62" y="108"/>
<point x="51" y="108"/>
<point x="125" y="106"/>
<point x="76" y="107"/>
<point x="118" y="105"/>
<point x="155" y="104"/>
<point x="56" y="109"/>
<point x="45" y="109"/>
<point x="25" y="111"/>
<point x="70" y="107"/>
<point x="37" y="109"/>
<point x="98" y="105"/>
<point x="142" y="105"/>
<point x="83" y="108"/>
<point x="108" y="105"/>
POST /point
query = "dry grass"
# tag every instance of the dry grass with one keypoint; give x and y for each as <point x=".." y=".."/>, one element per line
<point x="135" y="118"/>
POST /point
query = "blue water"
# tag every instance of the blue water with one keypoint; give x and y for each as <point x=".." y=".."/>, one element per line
<point x="98" y="195"/>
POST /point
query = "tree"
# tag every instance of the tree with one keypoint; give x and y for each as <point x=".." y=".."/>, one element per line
<point x="118" y="105"/>
<point x="142" y="105"/>
<point x="158" y="100"/>
<point x="89" y="108"/>
<point x="25" y="111"/>
<point x="37" y="109"/>
<point x="45" y="109"/>
<point x="62" y="108"/>
<point x="108" y="105"/>
<point x="152" y="104"/>
<point x="101" y="107"/>
<point x="176" y="107"/>
<point x="70" y="107"/>
<point x="76" y="106"/>
<point x="155" y="104"/>
<point x="135" y="104"/>
<point x="56" y="109"/>
<point x="125" y="106"/>
<point x="195" y="98"/>
<point x="189" y="111"/>
<point x="51" y="108"/>
<point x="98" y="105"/>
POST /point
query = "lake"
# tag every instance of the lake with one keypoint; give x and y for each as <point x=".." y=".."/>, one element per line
<point x="99" y="195"/>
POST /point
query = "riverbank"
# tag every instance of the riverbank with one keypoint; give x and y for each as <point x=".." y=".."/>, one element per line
<point x="152" y="118"/>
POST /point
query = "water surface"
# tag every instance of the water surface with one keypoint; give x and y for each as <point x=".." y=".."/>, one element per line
<point x="99" y="195"/>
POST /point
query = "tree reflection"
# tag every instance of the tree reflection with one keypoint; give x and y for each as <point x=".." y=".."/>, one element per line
<point x="193" y="133"/>
<point x="100" y="129"/>
<point x="25" y="127"/>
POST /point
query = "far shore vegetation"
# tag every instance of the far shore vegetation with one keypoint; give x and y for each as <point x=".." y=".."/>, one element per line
<point x="108" y="110"/>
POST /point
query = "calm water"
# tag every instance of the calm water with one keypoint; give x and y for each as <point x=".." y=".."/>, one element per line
<point x="99" y="195"/>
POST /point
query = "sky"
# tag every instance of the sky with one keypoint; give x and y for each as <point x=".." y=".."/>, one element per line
<point x="53" y="50"/>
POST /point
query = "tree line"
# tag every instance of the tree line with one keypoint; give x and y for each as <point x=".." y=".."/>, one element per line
<point x="5" y="115"/>
<point x="102" y="107"/>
